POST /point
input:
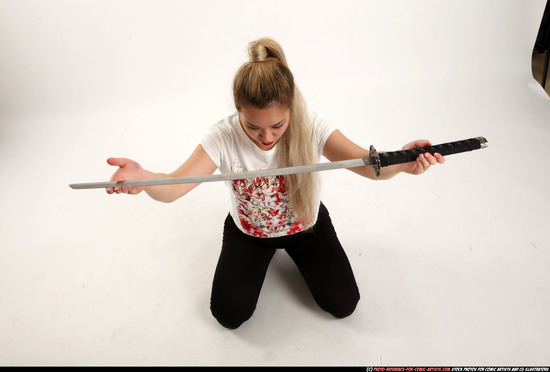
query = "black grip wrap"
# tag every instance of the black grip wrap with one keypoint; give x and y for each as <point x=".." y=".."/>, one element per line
<point x="406" y="156"/>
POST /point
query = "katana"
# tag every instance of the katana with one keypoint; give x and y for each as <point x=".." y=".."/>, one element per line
<point x="375" y="160"/>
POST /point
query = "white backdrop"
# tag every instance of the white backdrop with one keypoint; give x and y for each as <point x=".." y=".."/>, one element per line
<point x="452" y="266"/>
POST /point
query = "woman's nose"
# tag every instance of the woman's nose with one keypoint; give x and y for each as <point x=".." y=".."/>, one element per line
<point x="266" y="135"/>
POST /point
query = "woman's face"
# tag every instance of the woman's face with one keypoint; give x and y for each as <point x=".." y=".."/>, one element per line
<point x="264" y="126"/>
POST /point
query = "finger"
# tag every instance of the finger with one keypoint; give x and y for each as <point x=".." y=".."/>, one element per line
<point x="422" y="143"/>
<point x="440" y="158"/>
<point x="118" y="162"/>
<point x="430" y="158"/>
<point x="416" y="144"/>
<point x="110" y="190"/>
<point x="425" y="163"/>
<point x="419" y="166"/>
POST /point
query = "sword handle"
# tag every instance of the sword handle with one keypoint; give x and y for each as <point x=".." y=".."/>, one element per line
<point x="406" y="156"/>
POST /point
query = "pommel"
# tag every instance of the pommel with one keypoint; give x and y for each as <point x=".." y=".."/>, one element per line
<point x="483" y="142"/>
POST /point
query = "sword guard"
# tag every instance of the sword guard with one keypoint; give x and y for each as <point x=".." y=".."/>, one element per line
<point x="374" y="160"/>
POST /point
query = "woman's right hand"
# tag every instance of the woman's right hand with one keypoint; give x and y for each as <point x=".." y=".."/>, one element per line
<point x="128" y="170"/>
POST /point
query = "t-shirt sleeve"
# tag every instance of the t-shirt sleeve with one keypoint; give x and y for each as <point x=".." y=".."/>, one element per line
<point x="215" y="141"/>
<point x="322" y="129"/>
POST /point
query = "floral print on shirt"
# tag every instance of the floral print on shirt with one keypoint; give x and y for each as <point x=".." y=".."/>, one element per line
<point x="263" y="207"/>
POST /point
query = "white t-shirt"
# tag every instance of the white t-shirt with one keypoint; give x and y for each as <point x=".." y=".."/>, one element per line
<point x="259" y="206"/>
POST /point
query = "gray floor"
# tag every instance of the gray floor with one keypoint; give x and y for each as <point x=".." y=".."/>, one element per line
<point x="452" y="265"/>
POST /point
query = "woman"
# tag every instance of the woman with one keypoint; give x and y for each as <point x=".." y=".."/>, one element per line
<point x="271" y="129"/>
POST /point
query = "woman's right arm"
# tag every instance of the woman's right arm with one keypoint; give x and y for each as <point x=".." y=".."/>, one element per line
<point x="198" y="164"/>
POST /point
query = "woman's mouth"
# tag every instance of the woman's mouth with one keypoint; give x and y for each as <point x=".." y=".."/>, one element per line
<point x="267" y="143"/>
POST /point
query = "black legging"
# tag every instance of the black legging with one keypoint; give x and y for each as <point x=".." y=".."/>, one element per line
<point x="244" y="260"/>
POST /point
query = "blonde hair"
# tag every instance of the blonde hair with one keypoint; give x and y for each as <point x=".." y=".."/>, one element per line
<point x="264" y="81"/>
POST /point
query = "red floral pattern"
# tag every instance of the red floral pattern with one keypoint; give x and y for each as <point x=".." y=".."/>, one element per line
<point x="262" y="205"/>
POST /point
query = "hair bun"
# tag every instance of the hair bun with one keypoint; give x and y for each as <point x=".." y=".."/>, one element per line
<point x="257" y="52"/>
<point x="264" y="49"/>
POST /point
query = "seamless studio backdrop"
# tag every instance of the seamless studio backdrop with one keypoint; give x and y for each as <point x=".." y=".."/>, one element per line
<point x="452" y="265"/>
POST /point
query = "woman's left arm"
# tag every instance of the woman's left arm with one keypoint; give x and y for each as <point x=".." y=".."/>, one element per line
<point x="339" y="147"/>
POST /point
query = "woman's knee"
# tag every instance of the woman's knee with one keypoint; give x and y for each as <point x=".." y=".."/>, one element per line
<point x="231" y="317"/>
<point x="341" y="307"/>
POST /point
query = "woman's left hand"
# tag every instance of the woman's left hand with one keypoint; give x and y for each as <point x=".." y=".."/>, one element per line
<point x="424" y="161"/>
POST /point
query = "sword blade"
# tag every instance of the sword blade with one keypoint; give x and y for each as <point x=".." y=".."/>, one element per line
<point x="227" y="176"/>
<point x="375" y="160"/>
